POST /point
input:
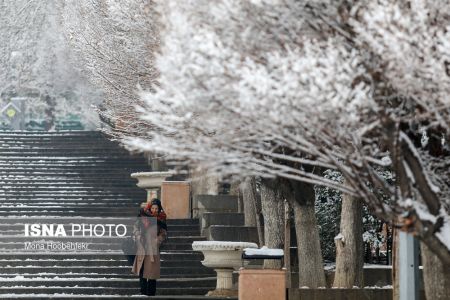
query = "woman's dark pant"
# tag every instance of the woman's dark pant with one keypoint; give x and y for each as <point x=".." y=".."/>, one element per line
<point x="148" y="286"/>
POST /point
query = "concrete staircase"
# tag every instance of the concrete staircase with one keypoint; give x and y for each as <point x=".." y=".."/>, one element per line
<point x="84" y="174"/>
<point x="220" y="219"/>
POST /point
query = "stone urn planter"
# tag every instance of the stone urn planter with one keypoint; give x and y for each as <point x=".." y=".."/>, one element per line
<point x="151" y="181"/>
<point x="224" y="258"/>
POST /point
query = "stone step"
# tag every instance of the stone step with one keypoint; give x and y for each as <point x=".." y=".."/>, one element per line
<point x="100" y="156"/>
<point x="68" y="182"/>
<point x="23" y="169"/>
<point x="104" y="291"/>
<point x="73" y="275"/>
<point x="80" y="160"/>
<point x="80" y="182"/>
<point x="100" y="269"/>
<point x="129" y="282"/>
<point x="94" y="205"/>
<point x="90" y="179"/>
<point x="175" y="256"/>
<point x="173" y="236"/>
<point x="17" y="235"/>
<point x="131" y="200"/>
<point x="92" y="262"/>
<point x="86" y="141"/>
<point x="98" y="191"/>
<point x="123" y="169"/>
<point x="64" y="176"/>
<point x="172" y="240"/>
<point x="70" y="162"/>
<point x="69" y="156"/>
<point x="62" y="145"/>
<point x="101" y="245"/>
<point x="58" y="140"/>
<point x="62" y="209"/>
<point x="71" y="182"/>
<point x="79" y="140"/>
<point x="67" y="204"/>
<point x="82" y="137"/>
<point x="32" y="174"/>
<point x="85" y="176"/>
<point x="214" y="203"/>
<point x="75" y="163"/>
<point x="210" y="218"/>
<point x="42" y="134"/>
<point x="66" y="214"/>
<point x="70" y="188"/>
<point x="62" y="142"/>
<point x="19" y="148"/>
<point x="24" y="150"/>
<point x="231" y="233"/>
<point x="45" y="146"/>
<point x="64" y="205"/>
<point x="113" y="174"/>
<point x="80" y="199"/>
<point x="59" y="143"/>
<point x="71" y="145"/>
<point x="73" y="194"/>
<point x="173" y="226"/>
<point x="61" y="296"/>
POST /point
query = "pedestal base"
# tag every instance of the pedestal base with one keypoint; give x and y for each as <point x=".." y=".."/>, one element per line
<point x="224" y="284"/>
<point x="262" y="284"/>
<point x="224" y="279"/>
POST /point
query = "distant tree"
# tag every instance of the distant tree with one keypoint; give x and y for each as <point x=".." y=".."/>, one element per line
<point x="114" y="44"/>
<point x="34" y="62"/>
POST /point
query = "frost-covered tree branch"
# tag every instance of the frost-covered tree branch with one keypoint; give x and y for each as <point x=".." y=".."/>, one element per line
<point x="262" y="88"/>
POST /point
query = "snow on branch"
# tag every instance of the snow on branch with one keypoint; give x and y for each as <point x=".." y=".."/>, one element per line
<point x="272" y="88"/>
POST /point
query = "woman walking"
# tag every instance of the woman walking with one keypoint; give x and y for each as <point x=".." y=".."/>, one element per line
<point x="148" y="236"/>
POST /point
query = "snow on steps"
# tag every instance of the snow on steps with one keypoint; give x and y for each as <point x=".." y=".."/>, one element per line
<point x="76" y="173"/>
<point x="66" y="296"/>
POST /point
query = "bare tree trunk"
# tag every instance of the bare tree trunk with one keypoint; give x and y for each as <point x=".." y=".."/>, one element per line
<point x="436" y="276"/>
<point x="301" y="197"/>
<point x="273" y="211"/>
<point x="248" y="188"/>
<point x="252" y="207"/>
<point x="395" y="266"/>
<point x="259" y="215"/>
<point x="349" y="245"/>
<point x="287" y="242"/>
<point x="311" y="272"/>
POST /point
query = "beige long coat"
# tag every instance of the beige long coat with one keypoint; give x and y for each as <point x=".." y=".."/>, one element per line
<point x="144" y="258"/>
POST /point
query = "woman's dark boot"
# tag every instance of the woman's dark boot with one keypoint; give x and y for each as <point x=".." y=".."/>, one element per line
<point x="143" y="282"/>
<point x="151" y="287"/>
